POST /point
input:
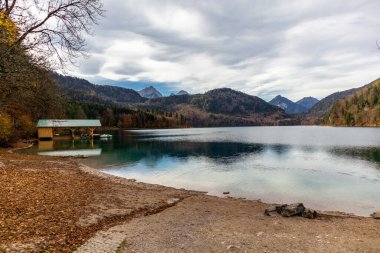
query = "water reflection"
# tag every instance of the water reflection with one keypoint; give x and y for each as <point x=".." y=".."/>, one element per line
<point x="369" y="154"/>
<point x="326" y="168"/>
<point x="84" y="148"/>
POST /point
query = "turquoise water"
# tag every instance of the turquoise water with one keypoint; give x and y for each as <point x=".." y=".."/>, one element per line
<point x="325" y="168"/>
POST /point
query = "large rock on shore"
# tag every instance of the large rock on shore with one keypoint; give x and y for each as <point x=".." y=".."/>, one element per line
<point x="295" y="209"/>
<point x="292" y="210"/>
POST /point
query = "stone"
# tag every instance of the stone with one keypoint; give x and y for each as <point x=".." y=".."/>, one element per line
<point x="376" y="215"/>
<point x="309" y="213"/>
<point x="274" y="209"/>
<point x="260" y="233"/>
<point x="225" y="193"/>
<point x="292" y="210"/>
<point x="270" y="210"/>
<point x="2" y="165"/>
<point x="232" y="248"/>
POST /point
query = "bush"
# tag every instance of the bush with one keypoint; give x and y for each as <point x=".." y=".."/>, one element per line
<point x="6" y="129"/>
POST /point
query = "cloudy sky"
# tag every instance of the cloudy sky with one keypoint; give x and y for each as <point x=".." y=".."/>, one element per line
<point x="264" y="48"/>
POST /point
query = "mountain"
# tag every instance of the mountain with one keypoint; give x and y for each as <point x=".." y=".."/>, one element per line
<point x="150" y="92"/>
<point x="289" y="106"/>
<point x="221" y="107"/>
<point x="81" y="90"/>
<point x="182" y="92"/>
<point x="324" y="106"/>
<point x="362" y="108"/>
<point x="307" y="102"/>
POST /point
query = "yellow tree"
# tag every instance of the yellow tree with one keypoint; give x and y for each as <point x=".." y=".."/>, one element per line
<point x="8" y="30"/>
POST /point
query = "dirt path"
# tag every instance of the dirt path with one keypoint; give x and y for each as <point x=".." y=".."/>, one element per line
<point x="56" y="205"/>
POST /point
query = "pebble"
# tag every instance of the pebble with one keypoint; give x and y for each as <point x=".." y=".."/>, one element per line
<point x="2" y="165"/>
<point x="259" y="233"/>
<point x="232" y="248"/>
<point x="376" y="215"/>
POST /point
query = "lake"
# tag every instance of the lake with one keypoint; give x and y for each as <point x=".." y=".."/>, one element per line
<point x="326" y="168"/>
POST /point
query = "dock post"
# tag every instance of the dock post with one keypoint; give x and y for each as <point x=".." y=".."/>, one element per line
<point x="72" y="133"/>
<point x="91" y="130"/>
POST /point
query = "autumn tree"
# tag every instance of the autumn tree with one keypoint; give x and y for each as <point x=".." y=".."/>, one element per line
<point x="5" y="129"/>
<point x="108" y="117"/>
<point x="36" y="37"/>
<point x="50" y="28"/>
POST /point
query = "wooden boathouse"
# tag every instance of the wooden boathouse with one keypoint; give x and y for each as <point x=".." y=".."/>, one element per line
<point x="48" y="127"/>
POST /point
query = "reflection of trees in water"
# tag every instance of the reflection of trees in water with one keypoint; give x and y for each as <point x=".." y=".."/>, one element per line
<point x="371" y="154"/>
<point x="279" y="149"/>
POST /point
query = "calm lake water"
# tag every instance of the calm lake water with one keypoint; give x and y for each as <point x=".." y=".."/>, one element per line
<point x="325" y="168"/>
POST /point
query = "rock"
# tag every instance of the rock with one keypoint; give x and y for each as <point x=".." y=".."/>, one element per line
<point x="2" y="165"/>
<point x="309" y="213"/>
<point x="292" y="210"/>
<point x="270" y="210"/>
<point x="225" y="193"/>
<point x="233" y="248"/>
<point x="260" y="234"/>
<point x="376" y="215"/>
<point x="296" y="209"/>
<point x="172" y="201"/>
<point x="274" y="209"/>
<point x="279" y="208"/>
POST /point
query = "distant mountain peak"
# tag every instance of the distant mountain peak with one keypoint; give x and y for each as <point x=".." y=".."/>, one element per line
<point x="150" y="92"/>
<point x="179" y="93"/>
<point x="183" y="92"/>
<point x="307" y="102"/>
<point x="289" y="106"/>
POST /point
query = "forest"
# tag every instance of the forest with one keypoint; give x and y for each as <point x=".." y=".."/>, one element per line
<point x="362" y="108"/>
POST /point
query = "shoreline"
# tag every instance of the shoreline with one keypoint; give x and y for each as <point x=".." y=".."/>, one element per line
<point x="99" y="201"/>
<point x="331" y="213"/>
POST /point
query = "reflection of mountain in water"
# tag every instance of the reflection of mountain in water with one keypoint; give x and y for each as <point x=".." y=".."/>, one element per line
<point x="133" y="152"/>
<point x="128" y="149"/>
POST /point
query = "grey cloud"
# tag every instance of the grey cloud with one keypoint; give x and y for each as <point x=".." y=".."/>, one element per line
<point x="297" y="48"/>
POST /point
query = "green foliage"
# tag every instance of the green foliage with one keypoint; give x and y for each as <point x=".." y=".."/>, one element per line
<point x="74" y="111"/>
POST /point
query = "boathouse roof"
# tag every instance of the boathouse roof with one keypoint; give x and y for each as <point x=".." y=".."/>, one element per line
<point x="56" y="123"/>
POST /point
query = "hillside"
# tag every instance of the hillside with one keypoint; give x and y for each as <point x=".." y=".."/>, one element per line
<point x="324" y="106"/>
<point x="81" y="90"/>
<point x="362" y="108"/>
<point x="221" y="107"/>
<point x="220" y="101"/>
<point x="289" y="106"/>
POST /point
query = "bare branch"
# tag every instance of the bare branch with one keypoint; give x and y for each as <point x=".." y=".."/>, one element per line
<point x="60" y="31"/>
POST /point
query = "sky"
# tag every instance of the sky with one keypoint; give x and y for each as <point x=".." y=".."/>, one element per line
<point x="294" y="48"/>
